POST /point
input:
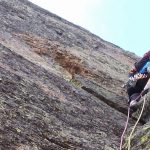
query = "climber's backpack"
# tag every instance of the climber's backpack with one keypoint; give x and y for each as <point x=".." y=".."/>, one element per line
<point x="140" y="64"/>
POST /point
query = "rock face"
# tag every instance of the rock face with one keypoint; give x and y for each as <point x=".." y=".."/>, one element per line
<point x="60" y="85"/>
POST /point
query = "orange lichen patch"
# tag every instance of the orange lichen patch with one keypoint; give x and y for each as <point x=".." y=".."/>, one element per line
<point x="71" y="63"/>
<point x="37" y="44"/>
<point x="53" y="49"/>
<point x="40" y="45"/>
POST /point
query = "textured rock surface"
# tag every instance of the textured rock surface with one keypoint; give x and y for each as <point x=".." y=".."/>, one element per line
<point x="140" y="139"/>
<point x="40" y="109"/>
<point x="65" y="47"/>
<point x="60" y="85"/>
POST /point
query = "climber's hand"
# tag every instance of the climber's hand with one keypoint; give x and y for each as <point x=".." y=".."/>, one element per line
<point x="132" y="78"/>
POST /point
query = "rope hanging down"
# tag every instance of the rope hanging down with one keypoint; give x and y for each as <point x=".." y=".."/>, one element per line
<point x="130" y="136"/>
<point x="126" y="125"/>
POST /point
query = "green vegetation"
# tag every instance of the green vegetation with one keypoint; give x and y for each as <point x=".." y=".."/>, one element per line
<point x="76" y="83"/>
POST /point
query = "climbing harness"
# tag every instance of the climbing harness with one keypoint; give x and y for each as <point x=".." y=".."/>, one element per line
<point x="132" y="82"/>
<point x="126" y="125"/>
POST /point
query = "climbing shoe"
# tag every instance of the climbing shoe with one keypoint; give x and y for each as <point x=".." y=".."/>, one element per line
<point x="134" y="99"/>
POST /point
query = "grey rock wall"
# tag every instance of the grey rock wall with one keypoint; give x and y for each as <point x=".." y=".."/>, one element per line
<point x="60" y="85"/>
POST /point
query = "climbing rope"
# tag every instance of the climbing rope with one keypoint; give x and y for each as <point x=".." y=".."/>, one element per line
<point x="130" y="136"/>
<point x="126" y="125"/>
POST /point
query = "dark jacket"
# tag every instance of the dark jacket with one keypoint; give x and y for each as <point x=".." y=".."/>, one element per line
<point x="140" y="84"/>
<point x="140" y="64"/>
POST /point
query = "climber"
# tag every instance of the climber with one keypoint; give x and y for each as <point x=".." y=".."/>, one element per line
<point x="139" y="80"/>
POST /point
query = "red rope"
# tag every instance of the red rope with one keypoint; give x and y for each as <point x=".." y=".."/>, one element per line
<point x="126" y="125"/>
